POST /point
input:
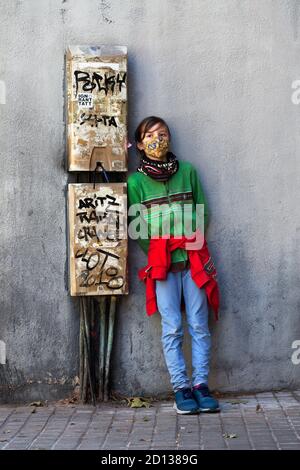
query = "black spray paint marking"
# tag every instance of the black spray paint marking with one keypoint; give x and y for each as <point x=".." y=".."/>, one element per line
<point x="93" y="202"/>
<point x="93" y="119"/>
<point x="107" y="215"/>
<point x="92" y="260"/>
<point x="89" y="82"/>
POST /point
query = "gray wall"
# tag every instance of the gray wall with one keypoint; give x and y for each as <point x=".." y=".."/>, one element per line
<point x="221" y="73"/>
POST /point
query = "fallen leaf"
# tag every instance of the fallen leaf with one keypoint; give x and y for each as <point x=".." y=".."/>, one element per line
<point x="229" y="436"/>
<point x="258" y="408"/>
<point x="36" y="403"/>
<point x="68" y="401"/>
<point x="138" y="402"/>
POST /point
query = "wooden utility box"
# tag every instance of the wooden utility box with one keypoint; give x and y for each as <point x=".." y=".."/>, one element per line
<point x="98" y="241"/>
<point x="97" y="107"/>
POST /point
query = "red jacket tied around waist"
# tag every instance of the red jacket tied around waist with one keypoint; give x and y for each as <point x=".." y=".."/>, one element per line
<point x="203" y="271"/>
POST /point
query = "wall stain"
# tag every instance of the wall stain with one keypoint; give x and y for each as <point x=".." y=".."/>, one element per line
<point x="104" y="10"/>
<point x="63" y="13"/>
<point x="294" y="14"/>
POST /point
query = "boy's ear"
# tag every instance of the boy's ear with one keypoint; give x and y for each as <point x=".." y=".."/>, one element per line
<point x="140" y="146"/>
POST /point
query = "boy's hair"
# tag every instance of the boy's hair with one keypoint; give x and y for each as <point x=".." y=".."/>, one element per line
<point x="145" y="125"/>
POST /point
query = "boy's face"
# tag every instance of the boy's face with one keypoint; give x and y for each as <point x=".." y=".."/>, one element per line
<point x="155" y="142"/>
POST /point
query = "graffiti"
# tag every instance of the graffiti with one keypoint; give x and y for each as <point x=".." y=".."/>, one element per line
<point x="89" y="233"/>
<point x="93" y="202"/>
<point x="90" y="82"/>
<point x="110" y="217"/>
<point x="105" y="120"/>
<point x="93" y="216"/>
<point x="99" y="232"/>
<point x="92" y="260"/>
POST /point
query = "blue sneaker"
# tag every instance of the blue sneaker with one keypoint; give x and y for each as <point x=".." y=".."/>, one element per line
<point x="185" y="403"/>
<point x="206" y="402"/>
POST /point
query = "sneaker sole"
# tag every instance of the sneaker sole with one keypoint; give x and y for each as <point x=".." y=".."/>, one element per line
<point x="181" y="412"/>
<point x="208" y="410"/>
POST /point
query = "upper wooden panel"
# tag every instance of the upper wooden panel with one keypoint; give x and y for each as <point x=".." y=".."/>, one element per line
<point x="97" y="107"/>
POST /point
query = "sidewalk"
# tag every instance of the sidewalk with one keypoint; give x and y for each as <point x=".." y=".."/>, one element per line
<point x="257" y="421"/>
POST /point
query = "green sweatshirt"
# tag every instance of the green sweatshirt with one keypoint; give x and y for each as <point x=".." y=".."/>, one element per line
<point x="163" y="203"/>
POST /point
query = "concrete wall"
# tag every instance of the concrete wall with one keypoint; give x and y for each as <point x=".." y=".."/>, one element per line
<point x="221" y="73"/>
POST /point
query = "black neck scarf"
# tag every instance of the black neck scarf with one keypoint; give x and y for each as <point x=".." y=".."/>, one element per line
<point x="159" y="171"/>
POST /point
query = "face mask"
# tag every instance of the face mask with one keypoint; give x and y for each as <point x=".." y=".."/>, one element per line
<point x="156" y="147"/>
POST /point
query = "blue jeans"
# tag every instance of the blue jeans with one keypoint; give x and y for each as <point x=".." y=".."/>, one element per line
<point x="168" y="295"/>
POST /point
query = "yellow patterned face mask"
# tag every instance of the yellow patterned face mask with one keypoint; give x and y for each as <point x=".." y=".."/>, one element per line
<point x="156" y="147"/>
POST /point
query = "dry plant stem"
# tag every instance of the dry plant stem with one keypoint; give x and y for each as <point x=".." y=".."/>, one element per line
<point x="111" y="322"/>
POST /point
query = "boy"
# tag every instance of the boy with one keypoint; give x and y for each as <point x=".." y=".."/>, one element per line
<point x="163" y="188"/>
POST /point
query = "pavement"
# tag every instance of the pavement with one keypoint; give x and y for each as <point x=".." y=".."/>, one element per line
<point x="269" y="420"/>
